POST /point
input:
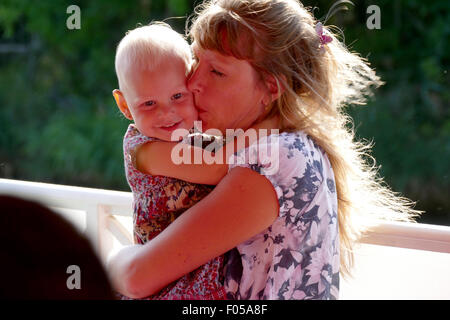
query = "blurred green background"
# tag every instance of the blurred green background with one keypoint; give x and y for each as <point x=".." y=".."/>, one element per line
<point x="59" y="123"/>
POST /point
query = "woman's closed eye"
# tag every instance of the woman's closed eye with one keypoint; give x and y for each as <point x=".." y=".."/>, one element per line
<point x="196" y="63"/>
<point x="218" y="73"/>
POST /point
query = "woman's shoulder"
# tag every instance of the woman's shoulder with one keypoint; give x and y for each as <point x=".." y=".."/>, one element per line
<point x="280" y="153"/>
<point x="302" y="156"/>
<point x="290" y="140"/>
<point x="300" y="141"/>
<point x="291" y="161"/>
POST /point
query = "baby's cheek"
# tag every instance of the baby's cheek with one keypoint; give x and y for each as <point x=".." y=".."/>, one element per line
<point x="190" y="111"/>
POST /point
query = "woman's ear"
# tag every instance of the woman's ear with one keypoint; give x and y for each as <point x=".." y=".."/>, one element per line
<point x="122" y="104"/>
<point x="274" y="86"/>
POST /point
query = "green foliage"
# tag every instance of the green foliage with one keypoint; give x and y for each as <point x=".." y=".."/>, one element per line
<point x="59" y="122"/>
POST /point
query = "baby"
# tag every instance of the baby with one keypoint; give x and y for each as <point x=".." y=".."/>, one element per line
<point x="152" y="63"/>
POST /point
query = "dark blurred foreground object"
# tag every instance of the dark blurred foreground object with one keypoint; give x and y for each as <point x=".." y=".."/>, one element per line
<point x="37" y="246"/>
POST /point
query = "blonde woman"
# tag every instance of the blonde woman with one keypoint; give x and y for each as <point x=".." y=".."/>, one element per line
<point x="289" y="234"/>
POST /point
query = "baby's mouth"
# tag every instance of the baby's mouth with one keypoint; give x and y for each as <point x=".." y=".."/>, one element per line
<point x="170" y="126"/>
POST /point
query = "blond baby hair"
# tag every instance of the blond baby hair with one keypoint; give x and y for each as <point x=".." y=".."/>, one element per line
<point x="278" y="37"/>
<point x="145" y="47"/>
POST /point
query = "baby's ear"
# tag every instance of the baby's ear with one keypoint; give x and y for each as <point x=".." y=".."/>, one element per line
<point x="122" y="104"/>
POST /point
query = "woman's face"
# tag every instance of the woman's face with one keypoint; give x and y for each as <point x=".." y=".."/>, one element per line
<point x="228" y="92"/>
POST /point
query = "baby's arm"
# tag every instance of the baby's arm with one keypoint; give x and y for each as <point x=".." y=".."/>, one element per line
<point x="156" y="158"/>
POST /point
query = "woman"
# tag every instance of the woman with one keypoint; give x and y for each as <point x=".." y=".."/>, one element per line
<point x="269" y="64"/>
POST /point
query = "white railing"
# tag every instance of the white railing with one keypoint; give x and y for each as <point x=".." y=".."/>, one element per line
<point x="395" y="261"/>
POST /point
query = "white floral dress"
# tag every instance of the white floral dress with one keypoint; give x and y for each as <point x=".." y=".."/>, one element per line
<point x="297" y="257"/>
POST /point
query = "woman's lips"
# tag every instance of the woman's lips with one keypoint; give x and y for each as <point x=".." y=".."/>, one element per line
<point x="202" y="116"/>
<point x="199" y="109"/>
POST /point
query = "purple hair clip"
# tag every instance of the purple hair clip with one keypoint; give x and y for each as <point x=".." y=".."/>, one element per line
<point x="324" y="39"/>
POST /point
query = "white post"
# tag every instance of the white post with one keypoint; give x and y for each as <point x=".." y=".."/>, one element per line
<point x="92" y="226"/>
<point x="104" y="237"/>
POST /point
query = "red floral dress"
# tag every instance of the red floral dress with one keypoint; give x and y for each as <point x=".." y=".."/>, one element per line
<point x="157" y="202"/>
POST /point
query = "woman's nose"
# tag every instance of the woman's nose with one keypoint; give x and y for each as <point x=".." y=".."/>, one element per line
<point x="193" y="84"/>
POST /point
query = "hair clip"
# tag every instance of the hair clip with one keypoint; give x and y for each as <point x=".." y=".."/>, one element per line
<point x="324" y="39"/>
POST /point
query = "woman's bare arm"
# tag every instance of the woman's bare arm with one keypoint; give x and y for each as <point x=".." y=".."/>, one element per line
<point x="242" y="205"/>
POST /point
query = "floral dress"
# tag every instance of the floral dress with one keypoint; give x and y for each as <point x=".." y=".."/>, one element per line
<point x="297" y="257"/>
<point x="157" y="202"/>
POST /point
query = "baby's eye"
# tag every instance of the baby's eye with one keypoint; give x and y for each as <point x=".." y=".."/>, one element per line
<point x="149" y="103"/>
<point x="177" y="96"/>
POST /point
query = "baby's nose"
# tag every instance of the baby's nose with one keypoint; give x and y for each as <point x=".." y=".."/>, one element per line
<point x="164" y="111"/>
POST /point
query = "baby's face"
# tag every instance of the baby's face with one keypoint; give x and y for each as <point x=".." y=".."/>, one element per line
<point x="159" y="100"/>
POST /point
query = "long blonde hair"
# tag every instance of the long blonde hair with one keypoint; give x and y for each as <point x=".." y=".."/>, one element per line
<point x="278" y="37"/>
